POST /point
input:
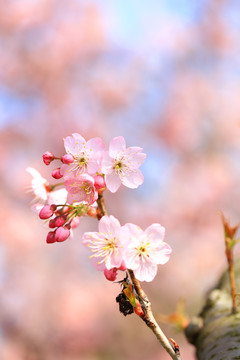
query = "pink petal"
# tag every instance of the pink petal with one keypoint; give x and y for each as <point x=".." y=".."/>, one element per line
<point x="74" y="144"/>
<point x="146" y="272"/>
<point x="114" y="261"/>
<point x="161" y="254"/>
<point x="113" y="182"/>
<point x="156" y="231"/>
<point x="116" y="146"/>
<point x="132" y="179"/>
<point x="135" y="155"/>
<point x="95" y="144"/>
<point x="109" y="224"/>
<point x="107" y="164"/>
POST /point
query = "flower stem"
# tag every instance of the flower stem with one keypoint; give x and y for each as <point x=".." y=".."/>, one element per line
<point x="101" y="209"/>
<point x="229" y="254"/>
<point x="150" y="320"/>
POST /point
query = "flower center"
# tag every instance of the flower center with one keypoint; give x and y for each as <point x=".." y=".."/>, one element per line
<point x="104" y="248"/>
<point x="143" y="250"/>
<point x="119" y="167"/>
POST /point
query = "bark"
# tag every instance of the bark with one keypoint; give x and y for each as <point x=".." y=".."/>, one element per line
<point x="216" y="331"/>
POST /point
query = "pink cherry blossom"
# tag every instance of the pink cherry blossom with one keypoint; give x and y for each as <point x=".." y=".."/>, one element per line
<point x="87" y="155"/>
<point x="120" y="165"/>
<point x="106" y="245"/>
<point x="38" y="185"/>
<point x="44" y="192"/>
<point x="81" y="189"/>
<point x="145" y="250"/>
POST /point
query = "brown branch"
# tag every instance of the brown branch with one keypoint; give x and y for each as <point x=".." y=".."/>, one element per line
<point x="151" y="322"/>
<point x="229" y="254"/>
<point x="101" y="209"/>
<point x="148" y="318"/>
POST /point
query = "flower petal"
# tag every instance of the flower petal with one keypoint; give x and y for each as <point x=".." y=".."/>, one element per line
<point x="146" y="272"/>
<point x="156" y="232"/>
<point x="74" y="144"/>
<point x="132" y="179"/>
<point x="109" y="225"/>
<point x="113" y="182"/>
<point x="116" y="146"/>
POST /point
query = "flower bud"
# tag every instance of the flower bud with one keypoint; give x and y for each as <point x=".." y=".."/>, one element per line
<point x="51" y="237"/>
<point x="48" y="157"/>
<point x="60" y="220"/>
<point x="51" y="223"/>
<point x="56" y="174"/>
<point x="67" y="159"/>
<point x="45" y="212"/>
<point x="99" y="183"/>
<point x="110" y="275"/>
<point x="75" y="222"/>
<point x="62" y="233"/>
<point x="92" y="211"/>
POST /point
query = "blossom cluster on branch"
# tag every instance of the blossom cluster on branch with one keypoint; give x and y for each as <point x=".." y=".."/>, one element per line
<point x="86" y="170"/>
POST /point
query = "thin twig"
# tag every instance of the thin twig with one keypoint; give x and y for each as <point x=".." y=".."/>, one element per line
<point x="149" y="318"/>
<point x="229" y="254"/>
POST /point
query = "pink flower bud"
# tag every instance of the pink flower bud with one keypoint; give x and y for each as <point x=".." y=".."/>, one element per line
<point x="51" y="223"/>
<point x="45" y="212"/>
<point x="75" y="222"/>
<point x="92" y="211"/>
<point x="60" y="220"/>
<point x="48" y="157"/>
<point x="99" y="183"/>
<point x="56" y="174"/>
<point x="110" y="274"/>
<point x="62" y="233"/>
<point x="51" y="237"/>
<point x="53" y="207"/>
<point x="67" y="159"/>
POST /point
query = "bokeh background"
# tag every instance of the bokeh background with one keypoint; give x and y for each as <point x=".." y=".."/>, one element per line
<point x="166" y="76"/>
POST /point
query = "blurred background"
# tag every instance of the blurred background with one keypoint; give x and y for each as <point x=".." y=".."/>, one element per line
<point x="166" y="76"/>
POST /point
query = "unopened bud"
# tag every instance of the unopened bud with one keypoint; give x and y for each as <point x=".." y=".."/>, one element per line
<point x="51" y="237"/>
<point x="56" y="174"/>
<point x="45" y="212"/>
<point x="48" y="157"/>
<point x="75" y="222"/>
<point x="62" y="233"/>
<point x="99" y="183"/>
<point x="110" y="274"/>
<point x="60" y="220"/>
<point x="67" y="159"/>
<point x="51" y="223"/>
<point x="92" y="211"/>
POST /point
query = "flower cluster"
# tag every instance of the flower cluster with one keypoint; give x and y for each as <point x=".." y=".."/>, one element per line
<point x="86" y="170"/>
<point x="115" y="247"/>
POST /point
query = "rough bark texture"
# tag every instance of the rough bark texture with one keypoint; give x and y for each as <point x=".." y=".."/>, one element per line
<point x="216" y="332"/>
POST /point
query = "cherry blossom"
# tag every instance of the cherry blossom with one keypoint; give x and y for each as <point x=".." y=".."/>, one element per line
<point x="107" y="244"/>
<point x="145" y="250"/>
<point x="44" y="192"/>
<point x="39" y="185"/>
<point x="120" y="165"/>
<point x="86" y="155"/>
<point x="81" y="189"/>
